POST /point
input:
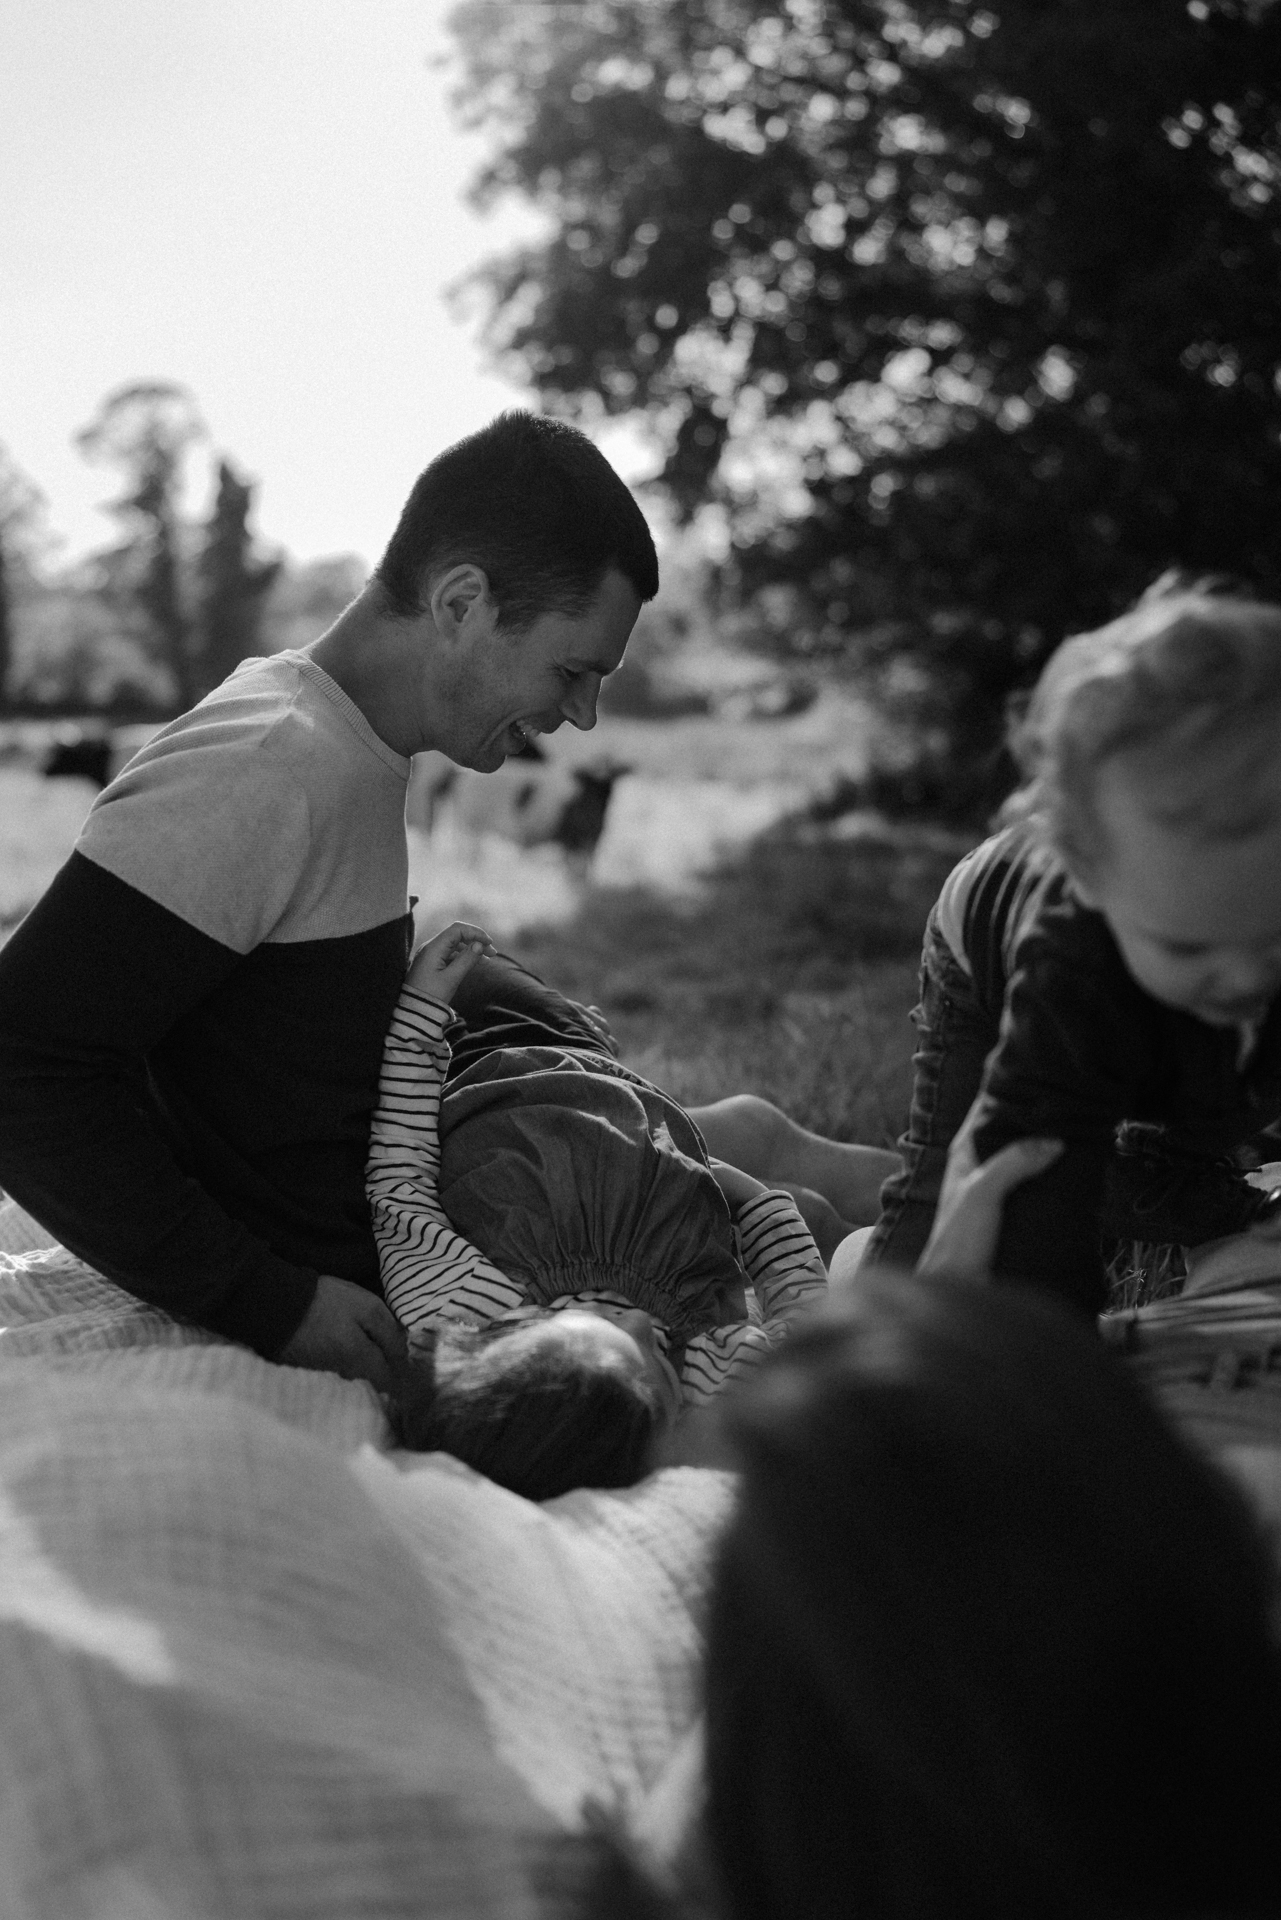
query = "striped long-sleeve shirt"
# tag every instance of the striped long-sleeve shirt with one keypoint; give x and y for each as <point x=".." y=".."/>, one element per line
<point x="431" y="1273"/>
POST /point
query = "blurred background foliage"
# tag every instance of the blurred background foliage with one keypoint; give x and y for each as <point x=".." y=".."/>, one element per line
<point x="947" y="326"/>
<point x="962" y="319"/>
<point x="144" y="627"/>
<point x="950" y="326"/>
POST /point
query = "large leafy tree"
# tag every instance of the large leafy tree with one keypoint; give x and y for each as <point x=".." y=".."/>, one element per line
<point x="970" y="313"/>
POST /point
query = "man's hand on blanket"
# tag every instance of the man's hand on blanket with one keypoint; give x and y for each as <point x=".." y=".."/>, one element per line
<point x="967" y="1222"/>
<point x="348" y="1330"/>
<point x="442" y="963"/>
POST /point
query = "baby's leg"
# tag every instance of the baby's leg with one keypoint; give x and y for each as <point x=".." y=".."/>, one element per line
<point x="820" y="1216"/>
<point x="847" y="1258"/>
<point x="838" y="1176"/>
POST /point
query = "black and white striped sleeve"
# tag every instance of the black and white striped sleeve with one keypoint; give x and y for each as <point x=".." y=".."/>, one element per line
<point x="429" y="1272"/>
<point x="783" y="1264"/>
<point x="789" y="1279"/>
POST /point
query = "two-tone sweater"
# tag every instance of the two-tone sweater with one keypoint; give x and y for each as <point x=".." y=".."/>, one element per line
<point x="192" y="1017"/>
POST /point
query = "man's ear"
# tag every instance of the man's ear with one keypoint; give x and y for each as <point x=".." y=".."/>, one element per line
<point x="461" y="603"/>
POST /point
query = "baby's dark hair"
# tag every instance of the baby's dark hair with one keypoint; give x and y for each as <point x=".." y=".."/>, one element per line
<point x="542" y="1422"/>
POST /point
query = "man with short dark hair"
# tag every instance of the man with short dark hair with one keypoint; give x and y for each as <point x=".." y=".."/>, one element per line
<point x="192" y="1017"/>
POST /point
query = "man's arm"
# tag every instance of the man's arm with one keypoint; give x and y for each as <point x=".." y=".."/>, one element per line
<point x="91" y="981"/>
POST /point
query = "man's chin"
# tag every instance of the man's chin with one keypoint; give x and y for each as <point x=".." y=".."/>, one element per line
<point x="491" y="756"/>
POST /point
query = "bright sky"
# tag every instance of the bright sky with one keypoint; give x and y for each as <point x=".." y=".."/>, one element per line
<point x="262" y="200"/>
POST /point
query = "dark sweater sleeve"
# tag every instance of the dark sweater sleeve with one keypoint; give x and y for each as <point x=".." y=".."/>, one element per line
<point x="91" y="981"/>
<point x="1070" y="1056"/>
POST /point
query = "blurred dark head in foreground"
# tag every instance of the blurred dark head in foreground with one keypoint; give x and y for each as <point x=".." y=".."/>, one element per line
<point x="987" y="1637"/>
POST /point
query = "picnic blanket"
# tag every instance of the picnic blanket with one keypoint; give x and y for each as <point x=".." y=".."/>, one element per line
<point x="1212" y="1358"/>
<point x="253" y="1663"/>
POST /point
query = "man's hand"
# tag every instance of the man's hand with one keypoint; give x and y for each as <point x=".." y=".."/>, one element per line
<point x="442" y="963"/>
<point x="967" y="1223"/>
<point x="350" y="1331"/>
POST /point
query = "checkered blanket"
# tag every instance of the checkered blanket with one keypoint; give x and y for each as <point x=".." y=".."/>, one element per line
<point x="1212" y="1357"/>
<point x="252" y="1663"/>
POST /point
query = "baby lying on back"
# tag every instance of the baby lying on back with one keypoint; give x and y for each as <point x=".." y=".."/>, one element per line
<point x="608" y="1293"/>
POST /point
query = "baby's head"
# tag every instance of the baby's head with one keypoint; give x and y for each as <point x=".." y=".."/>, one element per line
<point x="1152" y="750"/>
<point x="543" y="1401"/>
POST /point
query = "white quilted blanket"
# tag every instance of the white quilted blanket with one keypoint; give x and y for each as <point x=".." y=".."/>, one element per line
<point x="252" y="1664"/>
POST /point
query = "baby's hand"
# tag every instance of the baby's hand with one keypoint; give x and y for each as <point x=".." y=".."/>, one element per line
<point x="442" y="963"/>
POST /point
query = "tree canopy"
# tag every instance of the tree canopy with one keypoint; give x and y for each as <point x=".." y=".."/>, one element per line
<point x="969" y="313"/>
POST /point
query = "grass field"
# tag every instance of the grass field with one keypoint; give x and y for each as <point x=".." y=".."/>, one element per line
<point x="791" y="974"/>
<point x="790" y="968"/>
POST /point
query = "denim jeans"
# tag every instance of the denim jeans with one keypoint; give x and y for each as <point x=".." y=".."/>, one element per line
<point x="1159" y="1190"/>
<point x="955" y="1035"/>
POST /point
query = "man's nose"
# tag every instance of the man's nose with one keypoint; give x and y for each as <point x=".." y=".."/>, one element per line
<point x="579" y="703"/>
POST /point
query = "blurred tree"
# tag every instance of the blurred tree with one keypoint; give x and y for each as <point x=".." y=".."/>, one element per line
<point x="75" y="655"/>
<point x="21" y="506"/>
<point x="968" y="313"/>
<point x="146" y="430"/>
<point x="307" y="598"/>
<point x="233" y="583"/>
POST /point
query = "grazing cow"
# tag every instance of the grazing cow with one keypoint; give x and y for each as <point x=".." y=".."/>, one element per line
<point x="582" y="819"/>
<point x="79" y="756"/>
<point x="531" y="800"/>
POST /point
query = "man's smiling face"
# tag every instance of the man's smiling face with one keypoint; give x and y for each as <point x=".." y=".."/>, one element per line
<point x="517" y="684"/>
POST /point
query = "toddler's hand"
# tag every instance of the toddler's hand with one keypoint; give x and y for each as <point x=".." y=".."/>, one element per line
<point x="967" y="1222"/>
<point x="442" y="963"/>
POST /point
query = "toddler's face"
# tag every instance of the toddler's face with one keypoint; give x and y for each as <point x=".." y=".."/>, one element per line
<point x="1198" y="923"/>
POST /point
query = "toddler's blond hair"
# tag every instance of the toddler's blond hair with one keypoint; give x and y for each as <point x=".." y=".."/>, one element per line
<point x="1188" y="685"/>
